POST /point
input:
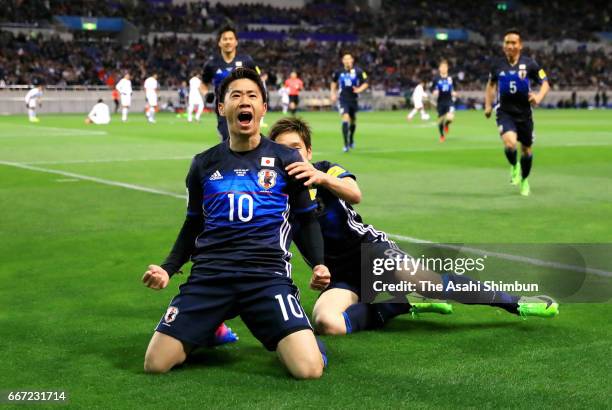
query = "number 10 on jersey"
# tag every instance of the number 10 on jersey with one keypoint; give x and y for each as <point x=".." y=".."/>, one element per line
<point x="240" y="207"/>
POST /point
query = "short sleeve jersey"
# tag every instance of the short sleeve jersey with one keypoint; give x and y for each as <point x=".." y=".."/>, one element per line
<point x="514" y="84"/>
<point x="346" y="80"/>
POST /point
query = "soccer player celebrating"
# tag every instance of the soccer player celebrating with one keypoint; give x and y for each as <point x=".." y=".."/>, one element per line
<point x="151" y="85"/>
<point x="196" y="88"/>
<point x="219" y="66"/>
<point x="444" y="91"/>
<point x="512" y="76"/>
<point x="417" y="100"/>
<point x="295" y="85"/>
<point x="346" y="86"/>
<point x="237" y="233"/>
<point x="338" y="310"/>
<point x="99" y="114"/>
<point x="32" y="100"/>
<point x="124" y="86"/>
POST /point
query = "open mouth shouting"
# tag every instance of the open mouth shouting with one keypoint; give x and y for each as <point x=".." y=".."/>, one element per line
<point x="245" y="118"/>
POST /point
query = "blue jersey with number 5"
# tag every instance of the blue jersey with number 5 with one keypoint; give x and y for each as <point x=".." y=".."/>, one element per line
<point x="514" y="84"/>
<point x="246" y="199"/>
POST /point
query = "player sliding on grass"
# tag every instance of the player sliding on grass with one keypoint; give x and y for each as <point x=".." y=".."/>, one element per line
<point x="512" y="77"/>
<point x="237" y="234"/>
<point x="338" y="309"/>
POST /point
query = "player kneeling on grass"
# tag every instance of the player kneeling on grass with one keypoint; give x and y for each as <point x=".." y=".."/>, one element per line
<point x="338" y="309"/>
<point x="237" y="234"/>
<point x="99" y="114"/>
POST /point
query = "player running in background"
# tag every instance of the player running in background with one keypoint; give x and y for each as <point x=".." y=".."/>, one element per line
<point x="196" y="102"/>
<point x="237" y="234"/>
<point x="512" y="77"/>
<point x="295" y="85"/>
<point x="99" y="114"/>
<point x="443" y="90"/>
<point x="151" y="86"/>
<point x="338" y="310"/>
<point x="124" y="86"/>
<point x="32" y="100"/>
<point x="418" y="95"/>
<point x="283" y="92"/>
<point x="220" y="65"/>
<point x="346" y="86"/>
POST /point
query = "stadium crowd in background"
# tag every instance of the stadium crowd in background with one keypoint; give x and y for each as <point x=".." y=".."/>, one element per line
<point x="390" y="66"/>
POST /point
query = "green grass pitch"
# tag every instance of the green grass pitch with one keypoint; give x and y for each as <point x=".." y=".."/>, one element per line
<point x="75" y="317"/>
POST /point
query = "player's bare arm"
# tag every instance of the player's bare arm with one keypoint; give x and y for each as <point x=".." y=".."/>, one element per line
<point x="489" y="96"/>
<point x="333" y="87"/>
<point x="361" y="88"/>
<point x="536" y="98"/>
<point x="344" y="188"/>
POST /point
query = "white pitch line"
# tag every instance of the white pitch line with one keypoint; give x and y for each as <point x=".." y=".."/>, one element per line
<point x="93" y="179"/>
<point x="532" y="261"/>
<point x="507" y="256"/>
<point x="103" y="160"/>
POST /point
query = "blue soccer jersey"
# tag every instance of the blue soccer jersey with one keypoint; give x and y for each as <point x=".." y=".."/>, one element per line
<point x="445" y="88"/>
<point x="346" y="80"/>
<point x="514" y="84"/>
<point x="246" y="199"/>
<point x="216" y="69"/>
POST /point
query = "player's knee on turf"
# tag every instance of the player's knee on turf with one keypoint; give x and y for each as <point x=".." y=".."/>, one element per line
<point x="301" y="356"/>
<point x="163" y="353"/>
<point x="330" y="323"/>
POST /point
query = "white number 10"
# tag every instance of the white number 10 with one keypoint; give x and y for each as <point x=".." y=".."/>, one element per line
<point x="244" y="197"/>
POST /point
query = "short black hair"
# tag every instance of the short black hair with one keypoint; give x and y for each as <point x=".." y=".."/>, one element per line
<point x="99" y="100"/>
<point x="513" y="31"/>
<point x="238" y="74"/>
<point x="292" y="124"/>
<point x="225" y="29"/>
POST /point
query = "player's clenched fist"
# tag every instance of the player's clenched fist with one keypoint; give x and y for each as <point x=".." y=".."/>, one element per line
<point x="320" y="277"/>
<point x="155" y="277"/>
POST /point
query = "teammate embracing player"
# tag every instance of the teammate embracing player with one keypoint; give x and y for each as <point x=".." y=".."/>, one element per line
<point x="339" y="309"/>
<point x="512" y="77"/>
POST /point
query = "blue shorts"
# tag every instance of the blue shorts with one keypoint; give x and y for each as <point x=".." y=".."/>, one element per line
<point x="348" y="107"/>
<point x="268" y="304"/>
<point x="444" y="108"/>
<point x="347" y="271"/>
<point x="523" y="127"/>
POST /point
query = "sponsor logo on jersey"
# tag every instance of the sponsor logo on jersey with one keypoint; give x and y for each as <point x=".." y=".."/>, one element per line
<point x="215" y="176"/>
<point x="218" y="71"/>
<point x="267" y="162"/>
<point x="266" y="178"/>
<point x="503" y="73"/>
<point x="171" y="314"/>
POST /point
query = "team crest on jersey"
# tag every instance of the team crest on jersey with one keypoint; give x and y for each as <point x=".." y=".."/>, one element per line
<point x="171" y="314"/>
<point x="266" y="178"/>
<point x="522" y="74"/>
